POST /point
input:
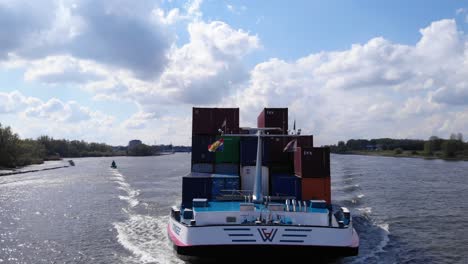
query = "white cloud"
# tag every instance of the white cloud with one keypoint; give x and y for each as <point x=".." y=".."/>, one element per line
<point x="63" y="69"/>
<point x="57" y="111"/>
<point x="119" y="35"/>
<point x="209" y="65"/>
<point x="236" y="10"/>
<point x="200" y="72"/>
<point x="14" y="102"/>
<point x="378" y="89"/>
<point x="138" y="120"/>
<point x="52" y="110"/>
<point x="460" y="11"/>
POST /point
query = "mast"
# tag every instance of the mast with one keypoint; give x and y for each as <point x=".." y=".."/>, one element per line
<point x="257" y="193"/>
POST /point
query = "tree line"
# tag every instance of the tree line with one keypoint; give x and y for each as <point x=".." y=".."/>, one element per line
<point x="16" y="152"/>
<point x="453" y="147"/>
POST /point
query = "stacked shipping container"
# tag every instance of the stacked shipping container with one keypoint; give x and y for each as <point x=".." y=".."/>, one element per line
<point x="310" y="178"/>
<point x="212" y="171"/>
<point x="304" y="174"/>
<point x="313" y="166"/>
<point x="206" y="123"/>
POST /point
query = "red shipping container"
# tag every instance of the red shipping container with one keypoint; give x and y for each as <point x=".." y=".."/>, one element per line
<point x="310" y="162"/>
<point x="276" y="150"/>
<point x="302" y="140"/>
<point x="305" y="141"/>
<point x="276" y="145"/>
<point x="316" y="189"/>
<point x="274" y="117"/>
<point x="231" y="116"/>
<point x="202" y="121"/>
<point x="207" y="121"/>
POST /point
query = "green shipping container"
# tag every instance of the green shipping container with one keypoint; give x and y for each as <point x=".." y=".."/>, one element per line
<point x="230" y="152"/>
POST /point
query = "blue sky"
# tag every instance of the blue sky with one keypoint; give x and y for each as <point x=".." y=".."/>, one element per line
<point x="111" y="71"/>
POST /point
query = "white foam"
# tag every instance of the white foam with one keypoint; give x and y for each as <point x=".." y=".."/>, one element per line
<point x="365" y="210"/>
<point x="131" y="193"/>
<point x="145" y="237"/>
<point x="384" y="229"/>
<point x="132" y="201"/>
<point x="360" y="196"/>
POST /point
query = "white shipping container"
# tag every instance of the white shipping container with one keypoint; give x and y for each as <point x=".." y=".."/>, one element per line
<point x="248" y="179"/>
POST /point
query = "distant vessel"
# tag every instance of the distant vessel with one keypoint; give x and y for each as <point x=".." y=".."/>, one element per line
<point x="113" y="165"/>
<point x="238" y="200"/>
<point x="71" y="162"/>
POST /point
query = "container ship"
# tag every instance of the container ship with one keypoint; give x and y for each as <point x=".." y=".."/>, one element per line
<point x="260" y="191"/>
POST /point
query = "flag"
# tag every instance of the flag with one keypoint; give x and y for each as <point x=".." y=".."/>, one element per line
<point x="223" y="125"/>
<point x="218" y="145"/>
<point x="291" y="146"/>
<point x="222" y="129"/>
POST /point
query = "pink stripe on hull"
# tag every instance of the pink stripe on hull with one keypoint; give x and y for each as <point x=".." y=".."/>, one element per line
<point x="355" y="239"/>
<point x="174" y="238"/>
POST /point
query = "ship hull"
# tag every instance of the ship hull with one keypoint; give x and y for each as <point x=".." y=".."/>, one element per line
<point x="262" y="240"/>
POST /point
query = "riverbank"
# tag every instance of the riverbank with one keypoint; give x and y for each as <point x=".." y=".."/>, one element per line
<point x="13" y="172"/>
<point x="403" y="154"/>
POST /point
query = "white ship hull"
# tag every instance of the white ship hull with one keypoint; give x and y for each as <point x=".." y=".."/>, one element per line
<point x="214" y="240"/>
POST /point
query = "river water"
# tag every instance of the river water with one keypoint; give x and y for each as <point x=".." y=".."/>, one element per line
<point x="405" y="210"/>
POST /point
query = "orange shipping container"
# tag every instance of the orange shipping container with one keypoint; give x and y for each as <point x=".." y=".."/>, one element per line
<point x="316" y="189"/>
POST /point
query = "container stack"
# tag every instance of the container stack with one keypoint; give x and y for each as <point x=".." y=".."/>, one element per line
<point x="212" y="172"/>
<point x="284" y="181"/>
<point x="206" y="126"/>
<point x="313" y="166"/>
<point x="278" y="174"/>
<point x="303" y="173"/>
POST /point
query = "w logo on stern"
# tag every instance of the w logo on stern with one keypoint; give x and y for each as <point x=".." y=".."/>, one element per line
<point x="267" y="235"/>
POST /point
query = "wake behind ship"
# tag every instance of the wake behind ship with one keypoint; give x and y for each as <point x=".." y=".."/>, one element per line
<point x="263" y="191"/>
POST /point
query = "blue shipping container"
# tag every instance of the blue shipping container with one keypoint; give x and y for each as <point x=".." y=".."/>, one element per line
<point x="226" y="168"/>
<point x="195" y="187"/>
<point x="248" y="151"/>
<point x="286" y="185"/>
<point x="202" y="167"/>
<point x="223" y="182"/>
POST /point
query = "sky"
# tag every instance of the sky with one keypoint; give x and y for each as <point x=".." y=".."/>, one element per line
<point x="113" y="71"/>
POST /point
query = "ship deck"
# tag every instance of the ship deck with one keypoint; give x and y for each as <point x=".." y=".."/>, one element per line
<point x="234" y="206"/>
